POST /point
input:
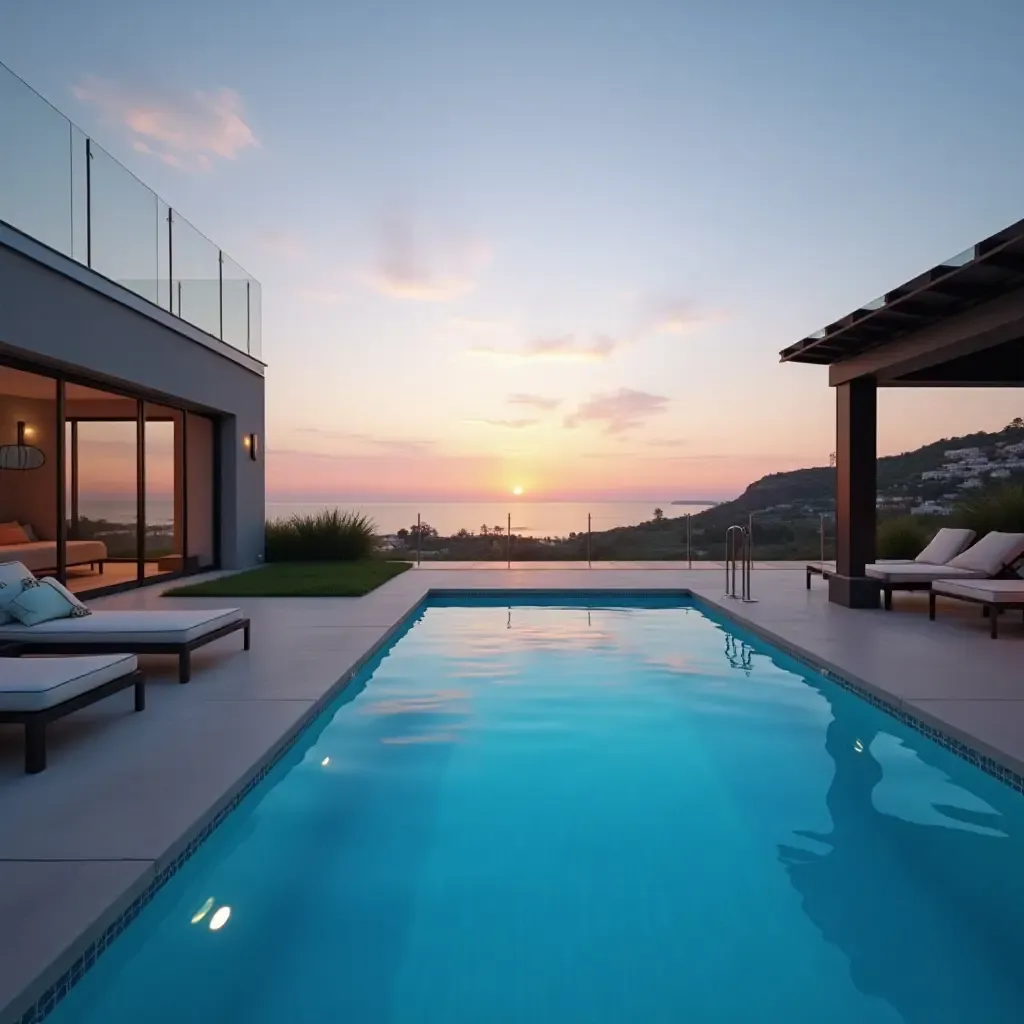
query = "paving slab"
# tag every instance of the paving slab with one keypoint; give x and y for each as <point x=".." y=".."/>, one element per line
<point x="49" y="910"/>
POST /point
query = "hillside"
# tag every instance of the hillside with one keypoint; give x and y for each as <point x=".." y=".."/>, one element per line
<point x="900" y="480"/>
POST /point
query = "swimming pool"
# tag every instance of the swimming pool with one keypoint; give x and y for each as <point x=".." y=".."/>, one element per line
<point x="589" y="810"/>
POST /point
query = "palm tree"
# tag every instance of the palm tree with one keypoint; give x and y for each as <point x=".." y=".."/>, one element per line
<point x="484" y="530"/>
<point x="658" y="515"/>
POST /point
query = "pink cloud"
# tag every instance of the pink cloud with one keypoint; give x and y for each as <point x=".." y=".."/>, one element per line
<point x="511" y="424"/>
<point x="531" y="401"/>
<point x="562" y="349"/>
<point x="187" y="130"/>
<point x="409" y="268"/>
<point x="618" y="411"/>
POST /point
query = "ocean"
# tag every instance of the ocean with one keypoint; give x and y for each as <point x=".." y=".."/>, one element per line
<point x="529" y="518"/>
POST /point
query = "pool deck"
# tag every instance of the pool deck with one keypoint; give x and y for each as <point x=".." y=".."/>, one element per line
<point x="124" y="793"/>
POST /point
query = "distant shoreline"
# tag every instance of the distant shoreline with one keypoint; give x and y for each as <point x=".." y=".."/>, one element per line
<point x="695" y="501"/>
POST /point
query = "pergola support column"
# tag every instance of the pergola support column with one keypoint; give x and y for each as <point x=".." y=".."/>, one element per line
<point x="856" y="487"/>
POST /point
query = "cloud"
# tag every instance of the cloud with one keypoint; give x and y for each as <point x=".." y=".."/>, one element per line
<point x="286" y="244"/>
<point x="187" y="130"/>
<point x="675" y="316"/>
<point x="618" y="411"/>
<point x="668" y="442"/>
<point x="515" y="424"/>
<point x="325" y="295"/>
<point x="406" y="268"/>
<point x="472" y="325"/>
<point x="562" y="349"/>
<point x="395" y="446"/>
<point x="534" y="401"/>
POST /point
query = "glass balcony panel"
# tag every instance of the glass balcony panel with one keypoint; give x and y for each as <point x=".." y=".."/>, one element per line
<point x="195" y="277"/>
<point x="125" y="226"/>
<point x="35" y="165"/>
<point x="237" y="313"/>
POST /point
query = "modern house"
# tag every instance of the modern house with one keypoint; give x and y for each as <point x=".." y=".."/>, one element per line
<point x="959" y="324"/>
<point x="131" y="385"/>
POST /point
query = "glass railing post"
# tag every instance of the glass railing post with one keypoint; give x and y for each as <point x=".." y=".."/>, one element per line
<point x="220" y="290"/>
<point x="170" y="262"/>
<point x="88" y="201"/>
<point x="248" y="320"/>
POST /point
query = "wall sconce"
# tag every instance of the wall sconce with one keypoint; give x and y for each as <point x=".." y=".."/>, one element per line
<point x="21" y="455"/>
<point x="252" y="445"/>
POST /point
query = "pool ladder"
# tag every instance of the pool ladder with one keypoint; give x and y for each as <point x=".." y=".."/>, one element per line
<point x="738" y="555"/>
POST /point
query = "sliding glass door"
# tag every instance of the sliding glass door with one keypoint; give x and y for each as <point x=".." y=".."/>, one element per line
<point x="29" y="470"/>
<point x="136" y="479"/>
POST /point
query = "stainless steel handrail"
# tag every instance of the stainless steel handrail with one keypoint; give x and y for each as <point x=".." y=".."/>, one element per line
<point x="738" y="553"/>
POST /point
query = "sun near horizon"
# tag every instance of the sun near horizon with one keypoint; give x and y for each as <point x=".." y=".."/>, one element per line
<point x="517" y="490"/>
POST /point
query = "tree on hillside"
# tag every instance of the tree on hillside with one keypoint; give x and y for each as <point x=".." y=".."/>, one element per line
<point x="485" y="530"/>
<point x="1017" y="423"/>
<point x="658" y="515"/>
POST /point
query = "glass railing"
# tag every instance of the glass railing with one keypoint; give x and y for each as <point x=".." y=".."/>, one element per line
<point x="60" y="187"/>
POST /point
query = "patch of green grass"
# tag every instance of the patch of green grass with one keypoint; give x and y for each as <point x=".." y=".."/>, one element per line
<point x="299" y="579"/>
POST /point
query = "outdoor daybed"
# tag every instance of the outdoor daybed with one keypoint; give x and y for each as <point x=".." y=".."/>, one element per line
<point x="140" y="632"/>
<point x="992" y="557"/>
<point x="36" y="691"/>
<point x="995" y="597"/>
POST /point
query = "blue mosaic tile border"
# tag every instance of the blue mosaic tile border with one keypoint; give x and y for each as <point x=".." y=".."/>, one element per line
<point x="981" y="761"/>
<point x="52" y="997"/>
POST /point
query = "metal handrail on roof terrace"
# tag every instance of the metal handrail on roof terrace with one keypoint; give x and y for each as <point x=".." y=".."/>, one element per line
<point x="61" y="188"/>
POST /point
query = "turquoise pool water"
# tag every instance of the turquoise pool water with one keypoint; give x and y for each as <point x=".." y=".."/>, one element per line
<point x="584" y="812"/>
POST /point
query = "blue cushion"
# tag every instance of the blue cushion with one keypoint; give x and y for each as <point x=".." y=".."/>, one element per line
<point x="43" y="601"/>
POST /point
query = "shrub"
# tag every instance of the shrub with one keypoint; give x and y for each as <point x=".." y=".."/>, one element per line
<point x="903" y="537"/>
<point x="1001" y="510"/>
<point x="328" y="536"/>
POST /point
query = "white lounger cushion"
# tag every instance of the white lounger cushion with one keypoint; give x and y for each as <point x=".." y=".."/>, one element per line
<point x="33" y="684"/>
<point x="124" y="627"/>
<point x="912" y="572"/>
<point x="996" y="591"/>
<point x="993" y="553"/>
<point x="945" y="545"/>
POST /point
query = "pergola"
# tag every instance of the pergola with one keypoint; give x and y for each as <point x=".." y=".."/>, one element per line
<point x="960" y="324"/>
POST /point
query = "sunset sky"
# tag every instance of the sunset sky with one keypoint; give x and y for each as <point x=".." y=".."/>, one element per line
<point x="556" y="244"/>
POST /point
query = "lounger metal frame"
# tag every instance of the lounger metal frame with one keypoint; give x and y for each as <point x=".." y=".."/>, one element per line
<point x="183" y="649"/>
<point x="35" y="722"/>
<point x="990" y="608"/>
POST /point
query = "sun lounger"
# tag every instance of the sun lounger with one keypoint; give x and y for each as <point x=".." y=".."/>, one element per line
<point x="946" y="544"/>
<point x="990" y="558"/>
<point x="36" y="691"/>
<point x="995" y="597"/>
<point x="138" y="632"/>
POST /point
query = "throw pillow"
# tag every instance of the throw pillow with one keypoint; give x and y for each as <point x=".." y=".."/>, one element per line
<point x="30" y="533"/>
<point x="80" y="609"/>
<point x="13" y="576"/>
<point x="44" y="601"/>
<point x="12" y="533"/>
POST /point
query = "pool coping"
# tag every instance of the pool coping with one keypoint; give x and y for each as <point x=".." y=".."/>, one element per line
<point x="44" y="993"/>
